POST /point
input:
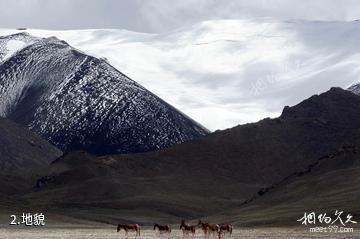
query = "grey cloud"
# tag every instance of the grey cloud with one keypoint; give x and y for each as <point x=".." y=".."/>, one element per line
<point x="69" y="14"/>
<point x="162" y="15"/>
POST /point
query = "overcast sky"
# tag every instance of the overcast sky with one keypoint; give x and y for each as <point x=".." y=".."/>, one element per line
<point x="162" y="15"/>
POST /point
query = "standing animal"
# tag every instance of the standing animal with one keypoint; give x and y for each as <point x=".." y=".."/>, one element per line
<point x="187" y="229"/>
<point x="225" y="228"/>
<point x="129" y="227"/>
<point x="163" y="228"/>
<point x="203" y="228"/>
<point x="209" y="229"/>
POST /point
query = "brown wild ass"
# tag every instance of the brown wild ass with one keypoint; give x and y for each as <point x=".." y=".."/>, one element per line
<point x="209" y="229"/>
<point x="187" y="229"/>
<point x="225" y="228"/>
<point x="163" y="228"/>
<point x="203" y="227"/>
<point x="129" y="227"/>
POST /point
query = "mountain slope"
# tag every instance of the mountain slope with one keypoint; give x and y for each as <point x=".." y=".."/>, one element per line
<point x="22" y="149"/>
<point x="80" y="102"/>
<point x="205" y="176"/>
<point x="330" y="184"/>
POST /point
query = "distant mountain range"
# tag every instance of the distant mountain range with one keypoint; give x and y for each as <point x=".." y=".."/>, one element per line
<point x="224" y="171"/>
<point x="76" y="101"/>
<point x="228" y="72"/>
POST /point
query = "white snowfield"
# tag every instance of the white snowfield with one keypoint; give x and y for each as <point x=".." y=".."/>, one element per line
<point x="228" y="72"/>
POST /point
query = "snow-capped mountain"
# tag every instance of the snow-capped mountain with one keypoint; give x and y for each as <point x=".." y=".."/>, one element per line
<point x="227" y="72"/>
<point x="77" y="101"/>
<point x="355" y="88"/>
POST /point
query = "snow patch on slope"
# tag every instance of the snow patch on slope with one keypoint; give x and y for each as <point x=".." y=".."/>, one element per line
<point x="355" y="88"/>
<point x="10" y="45"/>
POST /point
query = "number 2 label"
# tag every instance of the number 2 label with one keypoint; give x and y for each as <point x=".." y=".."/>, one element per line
<point x="13" y="221"/>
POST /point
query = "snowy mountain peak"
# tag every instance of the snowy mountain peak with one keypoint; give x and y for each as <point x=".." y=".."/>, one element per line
<point x="77" y="101"/>
<point x="355" y="88"/>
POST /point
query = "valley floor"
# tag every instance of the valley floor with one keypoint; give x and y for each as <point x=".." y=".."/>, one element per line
<point x="110" y="232"/>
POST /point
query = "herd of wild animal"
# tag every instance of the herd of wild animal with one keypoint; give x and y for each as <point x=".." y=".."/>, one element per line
<point x="214" y="230"/>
